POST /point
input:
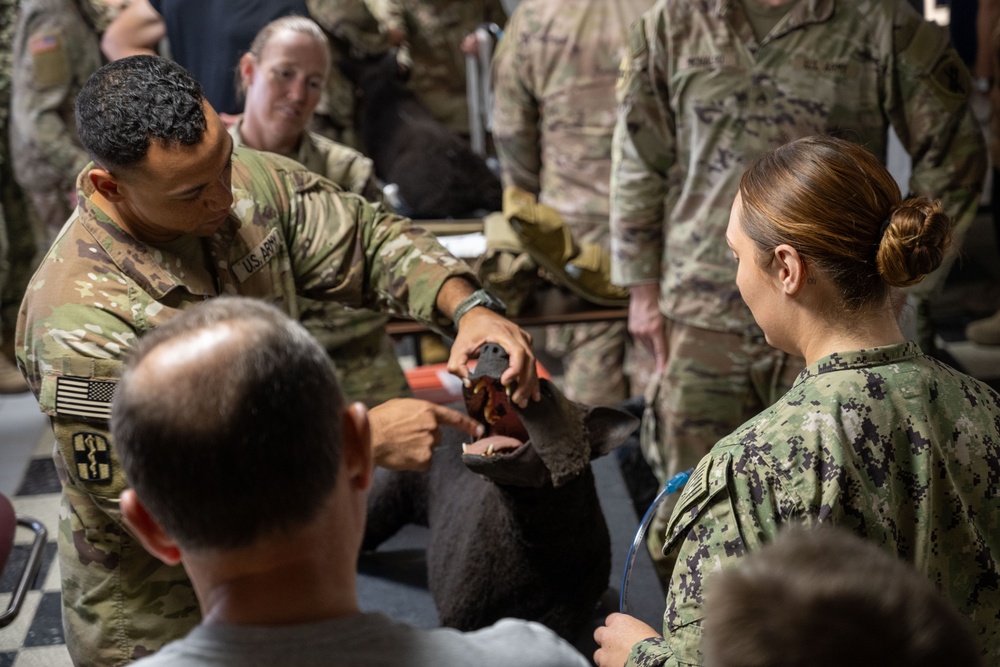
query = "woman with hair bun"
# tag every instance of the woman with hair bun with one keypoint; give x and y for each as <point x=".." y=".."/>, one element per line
<point x="873" y="436"/>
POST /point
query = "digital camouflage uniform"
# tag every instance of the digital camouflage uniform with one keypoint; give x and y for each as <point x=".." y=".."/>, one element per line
<point x="55" y="52"/>
<point x="362" y="352"/>
<point x="434" y="32"/>
<point x="886" y="442"/>
<point x="554" y="113"/>
<point x="700" y="98"/>
<point x="289" y="234"/>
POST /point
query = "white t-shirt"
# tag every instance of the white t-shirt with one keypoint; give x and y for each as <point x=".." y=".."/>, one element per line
<point x="368" y="640"/>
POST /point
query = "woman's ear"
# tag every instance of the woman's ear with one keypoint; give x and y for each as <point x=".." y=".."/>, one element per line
<point x="147" y="530"/>
<point x="248" y="63"/>
<point x="791" y="270"/>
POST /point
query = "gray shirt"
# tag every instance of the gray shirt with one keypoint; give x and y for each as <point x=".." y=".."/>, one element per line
<point x="368" y="640"/>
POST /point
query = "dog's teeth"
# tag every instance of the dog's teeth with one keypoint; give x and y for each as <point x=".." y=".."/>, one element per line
<point x="507" y="388"/>
<point x="489" y="450"/>
<point x="465" y="448"/>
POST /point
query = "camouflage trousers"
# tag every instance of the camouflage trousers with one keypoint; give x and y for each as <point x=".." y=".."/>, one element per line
<point x="713" y="382"/>
<point x="119" y="602"/>
<point x="601" y="365"/>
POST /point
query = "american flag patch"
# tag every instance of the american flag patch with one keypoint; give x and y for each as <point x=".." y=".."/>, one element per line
<point x="43" y="43"/>
<point x="81" y="397"/>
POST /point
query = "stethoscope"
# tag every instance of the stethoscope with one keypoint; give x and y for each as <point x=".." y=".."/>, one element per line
<point x="673" y="485"/>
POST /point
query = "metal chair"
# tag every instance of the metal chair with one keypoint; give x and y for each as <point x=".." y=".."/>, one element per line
<point x="9" y="521"/>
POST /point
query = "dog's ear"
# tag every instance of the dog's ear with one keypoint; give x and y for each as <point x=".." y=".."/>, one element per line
<point x="607" y="429"/>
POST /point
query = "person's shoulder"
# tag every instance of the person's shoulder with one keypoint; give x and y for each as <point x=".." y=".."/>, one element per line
<point x="330" y="147"/>
<point x="260" y="173"/>
<point x="516" y="641"/>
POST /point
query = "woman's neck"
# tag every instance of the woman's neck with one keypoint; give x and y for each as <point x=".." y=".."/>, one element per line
<point x="867" y="329"/>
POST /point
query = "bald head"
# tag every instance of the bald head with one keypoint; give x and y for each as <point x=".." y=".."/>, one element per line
<point x="227" y="422"/>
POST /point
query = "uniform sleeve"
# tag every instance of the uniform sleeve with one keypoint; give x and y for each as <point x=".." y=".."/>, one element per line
<point x="44" y="88"/>
<point x="342" y="247"/>
<point x="927" y="102"/>
<point x="643" y="153"/>
<point x="515" y="111"/>
<point x="70" y="353"/>
<point x="719" y="518"/>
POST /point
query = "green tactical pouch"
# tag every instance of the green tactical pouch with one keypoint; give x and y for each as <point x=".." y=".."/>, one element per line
<point x="584" y="269"/>
<point x="505" y="269"/>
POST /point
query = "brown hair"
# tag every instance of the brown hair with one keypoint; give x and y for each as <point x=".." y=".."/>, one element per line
<point x="292" y="23"/>
<point x="826" y="598"/>
<point x="836" y="204"/>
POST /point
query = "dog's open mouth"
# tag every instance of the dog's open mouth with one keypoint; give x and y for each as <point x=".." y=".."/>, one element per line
<point x="487" y="401"/>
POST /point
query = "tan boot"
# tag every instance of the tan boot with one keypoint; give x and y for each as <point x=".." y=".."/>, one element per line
<point x="11" y="380"/>
<point x="985" y="331"/>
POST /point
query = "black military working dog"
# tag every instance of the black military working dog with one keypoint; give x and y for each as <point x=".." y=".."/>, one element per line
<point x="516" y="528"/>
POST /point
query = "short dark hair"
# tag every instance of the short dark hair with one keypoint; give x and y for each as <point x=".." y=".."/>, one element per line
<point x="824" y="597"/>
<point x="240" y="447"/>
<point x="129" y="102"/>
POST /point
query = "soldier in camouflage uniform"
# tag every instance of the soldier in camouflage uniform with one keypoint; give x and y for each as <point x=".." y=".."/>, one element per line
<point x="56" y="49"/>
<point x="706" y="87"/>
<point x="190" y="219"/>
<point x="554" y="112"/>
<point x="432" y="32"/>
<point x="873" y="436"/>
<point x="361" y="350"/>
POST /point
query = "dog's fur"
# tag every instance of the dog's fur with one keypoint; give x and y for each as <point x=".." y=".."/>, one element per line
<point x="525" y="537"/>
<point x="436" y="171"/>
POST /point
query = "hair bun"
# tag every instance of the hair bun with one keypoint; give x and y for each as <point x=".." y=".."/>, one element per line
<point x="914" y="243"/>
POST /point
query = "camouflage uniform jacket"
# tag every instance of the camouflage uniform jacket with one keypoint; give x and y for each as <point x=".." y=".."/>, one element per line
<point x="701" y="97"/>
<point x="435" y="30"/>
<point x="348" y="335"/>
<point x="289" y="234"/>
<point x="887" y="442"/>
<point x="56" y="49"/>
<point x="554" y="106"/>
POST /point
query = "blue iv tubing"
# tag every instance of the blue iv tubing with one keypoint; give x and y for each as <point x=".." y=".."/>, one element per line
<point x="673" y="485"/>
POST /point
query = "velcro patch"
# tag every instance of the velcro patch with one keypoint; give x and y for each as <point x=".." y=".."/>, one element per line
<point x="92" y="457"/>
<point x="258" y="257"/>
<point x="82" y="397"/>
<point x="50" y="64"/>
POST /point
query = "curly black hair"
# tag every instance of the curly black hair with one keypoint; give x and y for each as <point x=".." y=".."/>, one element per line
<point x="130" y="101"/>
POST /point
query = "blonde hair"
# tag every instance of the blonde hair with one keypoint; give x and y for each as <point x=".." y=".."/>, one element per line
<point x="836" y="204"/>
<point x="291" y="23"/>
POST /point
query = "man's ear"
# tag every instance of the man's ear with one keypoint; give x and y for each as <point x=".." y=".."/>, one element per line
<point x="791" y="270"/>
<point x="357" y="457"/>
<point x="106" y="184"/>
<point x="147" y="530"/>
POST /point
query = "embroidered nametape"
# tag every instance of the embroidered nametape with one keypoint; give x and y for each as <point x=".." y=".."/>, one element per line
<point x="82" y="397"/>
<point x="258" y="257"/>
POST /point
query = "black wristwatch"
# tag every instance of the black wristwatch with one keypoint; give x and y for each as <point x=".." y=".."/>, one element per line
<point x="478" y="298"/>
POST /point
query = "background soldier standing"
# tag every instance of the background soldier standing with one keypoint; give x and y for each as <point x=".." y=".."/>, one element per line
<point x="56" y="49"/>
<point x="707" y="87"/>
<point x="554" y="114"/>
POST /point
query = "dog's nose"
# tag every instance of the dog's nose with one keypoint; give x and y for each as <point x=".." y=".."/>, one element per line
<point x="493" y="361"/>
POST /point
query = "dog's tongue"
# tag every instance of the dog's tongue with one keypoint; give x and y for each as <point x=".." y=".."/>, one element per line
<point x="491" y="445"/>
<point x="487" y="401"/>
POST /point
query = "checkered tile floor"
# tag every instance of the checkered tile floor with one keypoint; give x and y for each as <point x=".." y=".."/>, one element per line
<point x="35" y="638"/>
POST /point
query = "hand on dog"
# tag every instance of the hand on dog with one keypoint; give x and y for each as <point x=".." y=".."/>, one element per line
<point x="480" y="326"/>
<point x="405" y="431"/>
<point x="616" y="638"/>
